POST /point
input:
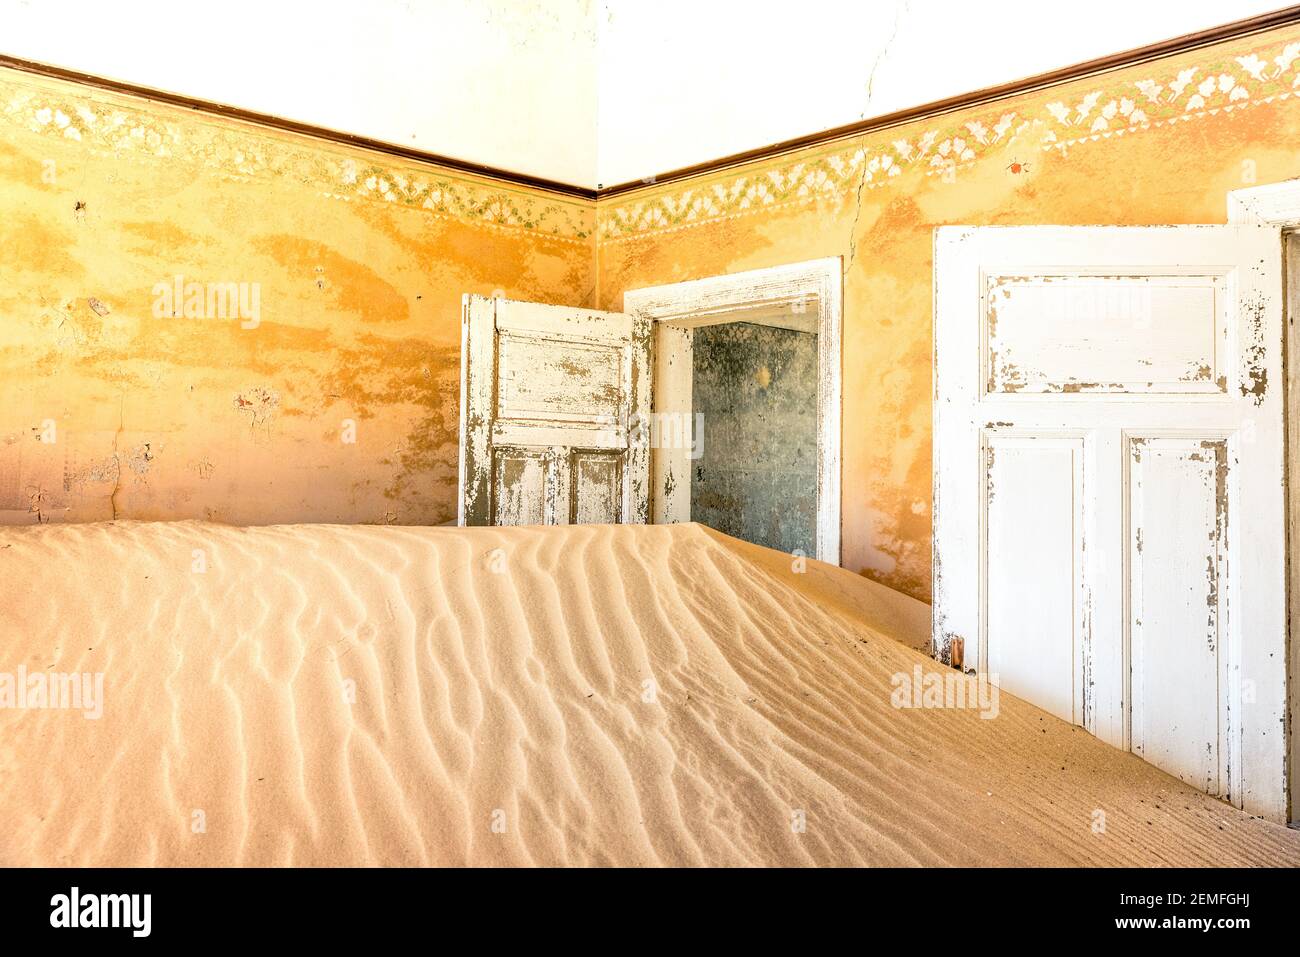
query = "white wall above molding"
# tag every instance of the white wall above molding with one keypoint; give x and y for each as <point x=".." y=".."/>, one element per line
<point x="589" y="92"/>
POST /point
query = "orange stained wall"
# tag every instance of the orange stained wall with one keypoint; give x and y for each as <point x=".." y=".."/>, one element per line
<point x="1163" y="142"/>
<point x="361" y="261"/>
<point x="109" y="410"/>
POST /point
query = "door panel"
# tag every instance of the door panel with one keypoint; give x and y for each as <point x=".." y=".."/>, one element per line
<point x="1034" y="485"/>
<point x="1178" y="513"/>
<point x="555" y="380"/>
<point x="550" y="401"/>
<point x="520" y="478"/>
<point x="597" y="487"/>
<point x="1059" y="333"/>
<point x="1109" y="487"/>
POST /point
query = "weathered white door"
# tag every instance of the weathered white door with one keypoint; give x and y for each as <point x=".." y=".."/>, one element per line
<point x="1109" y="497"/>
<point x="552" y="411"/>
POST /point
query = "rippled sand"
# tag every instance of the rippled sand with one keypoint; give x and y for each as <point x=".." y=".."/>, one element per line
<point x="590" y="695"/>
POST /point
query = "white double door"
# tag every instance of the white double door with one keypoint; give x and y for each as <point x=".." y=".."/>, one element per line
<point x="1109" y="487"/>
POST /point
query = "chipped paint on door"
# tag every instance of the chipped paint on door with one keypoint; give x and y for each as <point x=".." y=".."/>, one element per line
<point x="1109" y="489"/>
<point x="1179" y="514"/>
<point x="551" y="398"/>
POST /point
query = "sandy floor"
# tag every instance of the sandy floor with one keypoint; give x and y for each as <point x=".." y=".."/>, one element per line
<point x="592" y="695"/>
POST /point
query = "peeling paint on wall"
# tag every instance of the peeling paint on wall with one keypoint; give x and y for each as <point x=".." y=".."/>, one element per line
<point x="358" y="263"/>
<point x="1155" y="144"/>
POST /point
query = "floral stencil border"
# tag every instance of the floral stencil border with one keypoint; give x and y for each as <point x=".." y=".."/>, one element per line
<point x="126" y="128"/>
<point x="130" y="128"/>
<point x="833" y="174"/>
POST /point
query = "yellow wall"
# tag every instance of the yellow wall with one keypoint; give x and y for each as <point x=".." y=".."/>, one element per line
<point x="362" y="260"/>
<point x="1160" y="143"/>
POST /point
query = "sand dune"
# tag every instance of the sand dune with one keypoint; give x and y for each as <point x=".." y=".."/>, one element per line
<point x="316" y="695"/>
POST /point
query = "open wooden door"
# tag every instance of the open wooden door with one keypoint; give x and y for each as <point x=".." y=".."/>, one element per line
<point x="554" y="415"/>
<point x="1109" y="487"/>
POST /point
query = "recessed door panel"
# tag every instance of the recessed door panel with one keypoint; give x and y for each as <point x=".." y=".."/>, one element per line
<point x="597" y="488"/>
<point x="1033" y="497"/>
<point x="1080" y="333"/>
<point x="520" y="480"/>
<point x="1178" y="515"/>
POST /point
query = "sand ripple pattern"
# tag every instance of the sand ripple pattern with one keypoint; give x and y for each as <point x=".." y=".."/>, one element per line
<point x="325" y="695"/>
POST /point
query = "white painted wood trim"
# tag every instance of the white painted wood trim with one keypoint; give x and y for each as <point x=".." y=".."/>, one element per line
<point x="1278" y="204"/>
<point x="674" y="404"/>
<point x="766" y="295"/>
<point x="477" y="363"/>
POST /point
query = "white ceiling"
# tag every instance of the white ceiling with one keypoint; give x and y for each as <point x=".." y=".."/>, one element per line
<point x="590" y="92"/>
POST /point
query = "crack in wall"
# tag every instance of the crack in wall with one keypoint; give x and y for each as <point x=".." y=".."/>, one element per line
<point x="899" y="11"/>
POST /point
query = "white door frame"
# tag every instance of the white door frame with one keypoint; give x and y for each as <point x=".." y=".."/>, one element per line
<point x="1278" y="204"/>
<point x="781" y="295"/>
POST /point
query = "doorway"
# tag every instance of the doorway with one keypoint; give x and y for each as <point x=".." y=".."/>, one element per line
<point x="754" y="402"/>
<point x="745" y="433"/>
